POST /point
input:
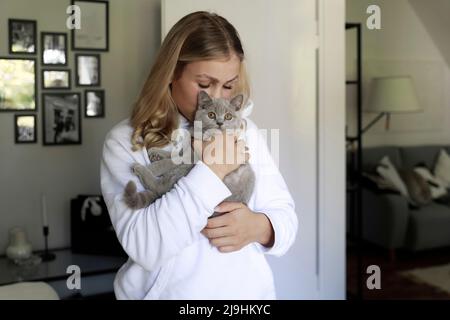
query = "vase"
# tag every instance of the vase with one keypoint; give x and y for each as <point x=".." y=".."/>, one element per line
<point x="19" y="248"/>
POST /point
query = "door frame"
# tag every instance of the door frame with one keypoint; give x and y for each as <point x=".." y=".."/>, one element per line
<point x="331" y="150"/>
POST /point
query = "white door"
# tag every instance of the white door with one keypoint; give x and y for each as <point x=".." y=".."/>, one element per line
<point x="280" y="41"/>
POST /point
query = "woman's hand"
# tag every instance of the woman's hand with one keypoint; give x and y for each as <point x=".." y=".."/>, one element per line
<point x="223" y="154"/>
<point x="237" y="227"/>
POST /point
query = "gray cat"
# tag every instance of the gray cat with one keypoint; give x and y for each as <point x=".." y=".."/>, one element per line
<point x="162" y="174"/>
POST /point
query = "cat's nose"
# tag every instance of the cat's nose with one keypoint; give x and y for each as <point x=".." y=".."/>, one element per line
<point x="219" y="123"/>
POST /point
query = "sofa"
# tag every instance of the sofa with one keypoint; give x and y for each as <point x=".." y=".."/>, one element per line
<point x="388" y="219"/>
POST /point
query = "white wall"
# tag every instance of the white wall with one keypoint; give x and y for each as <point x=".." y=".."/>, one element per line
<point x="63" y="172"/>
<point x="404" y="46"/>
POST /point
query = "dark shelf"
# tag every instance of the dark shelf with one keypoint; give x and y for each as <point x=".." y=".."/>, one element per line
<point x="353" y="190"/>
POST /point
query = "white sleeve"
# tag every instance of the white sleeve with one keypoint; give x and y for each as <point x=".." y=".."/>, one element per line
<point x="153" y="235"/>
<point x="272" y="197"/>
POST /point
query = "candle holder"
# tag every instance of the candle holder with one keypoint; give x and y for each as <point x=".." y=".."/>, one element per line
<point x="46" y="255"/>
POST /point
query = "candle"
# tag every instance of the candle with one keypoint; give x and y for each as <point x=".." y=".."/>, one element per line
<point x="44" y="211"/>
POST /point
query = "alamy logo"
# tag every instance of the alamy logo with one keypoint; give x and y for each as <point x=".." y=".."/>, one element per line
<point x="374" y="20"/>
<point x="374" y="280"/>
<point x="74" y="280"/>
<point x="74" y="19"/>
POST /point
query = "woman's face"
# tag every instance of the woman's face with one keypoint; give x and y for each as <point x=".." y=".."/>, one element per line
<point x="216" y="77"/>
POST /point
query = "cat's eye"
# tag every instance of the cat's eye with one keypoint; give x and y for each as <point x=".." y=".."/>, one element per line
<point x="211" y="115"/>
<point x="228" y="116"/>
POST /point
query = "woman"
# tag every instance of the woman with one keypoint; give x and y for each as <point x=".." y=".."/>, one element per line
<point x="175" y="251"/>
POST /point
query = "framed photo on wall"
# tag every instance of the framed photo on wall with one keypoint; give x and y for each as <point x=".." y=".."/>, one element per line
<point x="25" y="128"/>
<point x="94" y="103"/>
<point x="55" y="79"/>
<point x="54" y="48"/>
<point x="18" y="89"/>
<point x="22" y="36"/>
<point x="87" y="68"/>
<point x="61" y="119"/>
<point x="93" y="33"/>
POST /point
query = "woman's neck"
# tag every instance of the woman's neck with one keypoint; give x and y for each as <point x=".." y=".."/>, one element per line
<point x="186" y="117"/>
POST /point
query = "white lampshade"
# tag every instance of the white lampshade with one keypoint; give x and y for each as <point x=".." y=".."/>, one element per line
<point x="393" y="95"/>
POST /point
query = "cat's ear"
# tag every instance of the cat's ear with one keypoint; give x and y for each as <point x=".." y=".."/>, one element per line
<point x="203" y="99"/>
<point x="237" y="101"/>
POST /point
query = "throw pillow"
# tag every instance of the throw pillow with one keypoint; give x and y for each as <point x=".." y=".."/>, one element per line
<point x="388" y="171"/>
<point x="437" y="186"/>
<point x="377" y="184"/>
<point x="442" y="168"/>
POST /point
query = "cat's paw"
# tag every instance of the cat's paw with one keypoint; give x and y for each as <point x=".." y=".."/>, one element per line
<point x="130" y="195"/>
<point x="154" y="156"/>
<point x="138" y="169"/>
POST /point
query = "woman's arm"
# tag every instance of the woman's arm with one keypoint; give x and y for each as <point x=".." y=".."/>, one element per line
<point x="272" y="222"/>
<point x="272" y="198"/>
<point x="152" y="235"/>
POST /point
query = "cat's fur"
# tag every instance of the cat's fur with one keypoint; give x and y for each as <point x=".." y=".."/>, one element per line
<point x="162" y="174"/>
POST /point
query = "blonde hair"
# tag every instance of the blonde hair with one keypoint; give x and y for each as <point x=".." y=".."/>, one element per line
<point x="197" y="36"/>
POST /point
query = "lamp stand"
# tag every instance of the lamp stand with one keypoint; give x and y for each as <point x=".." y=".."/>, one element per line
<point x="381" y="115"/>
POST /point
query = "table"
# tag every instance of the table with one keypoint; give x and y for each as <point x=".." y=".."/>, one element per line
<point x="97" y="273"/>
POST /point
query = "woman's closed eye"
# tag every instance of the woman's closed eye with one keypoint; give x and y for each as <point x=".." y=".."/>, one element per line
<point x="206" y="86"/>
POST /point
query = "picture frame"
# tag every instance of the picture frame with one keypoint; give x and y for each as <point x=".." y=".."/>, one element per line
<point x="88" y="70"/>
<point x="22" y="36"/>
<point x="56" y="79"/>
<point x="93" y="34"/>
<point x="54" y="49"/>
<point x="94" y="103"/>
<point x="61" y="118"/>
<point x="18" y="84"/>
<point x="25" y="130"/>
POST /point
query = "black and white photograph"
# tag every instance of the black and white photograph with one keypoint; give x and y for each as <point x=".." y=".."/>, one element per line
<point x="94" y="32"/>
<point x="94" y="102"/>
<point x="54" y="48"/>
<point x="25" y="128"/>
<point x="55" y="79"/>
<point x="18" y="84"/>
<point x="22" y="36"/>
<point x="87" y="68"/>
<point x="61" y="118"/>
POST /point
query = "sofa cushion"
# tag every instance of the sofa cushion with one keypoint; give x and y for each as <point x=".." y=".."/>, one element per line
<point x="407" y="182"/>
<point x="437" y="187"/>
<point x="414" y="155"/>
<point x="372" y="156"/>
<point x="390" y="173"/>
<point x="442" y="167"/>
<point x="429" y="227"/>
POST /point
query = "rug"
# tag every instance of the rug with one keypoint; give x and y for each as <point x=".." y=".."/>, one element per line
<point x="437" y="276"/>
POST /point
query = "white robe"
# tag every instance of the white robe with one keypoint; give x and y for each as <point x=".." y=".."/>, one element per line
<point x="168" y="256"/>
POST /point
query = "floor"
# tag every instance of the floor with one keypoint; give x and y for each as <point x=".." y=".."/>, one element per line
<point x="394" y="286"/>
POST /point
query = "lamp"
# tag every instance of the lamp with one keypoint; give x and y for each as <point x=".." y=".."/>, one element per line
<point x="395" y="94"/>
